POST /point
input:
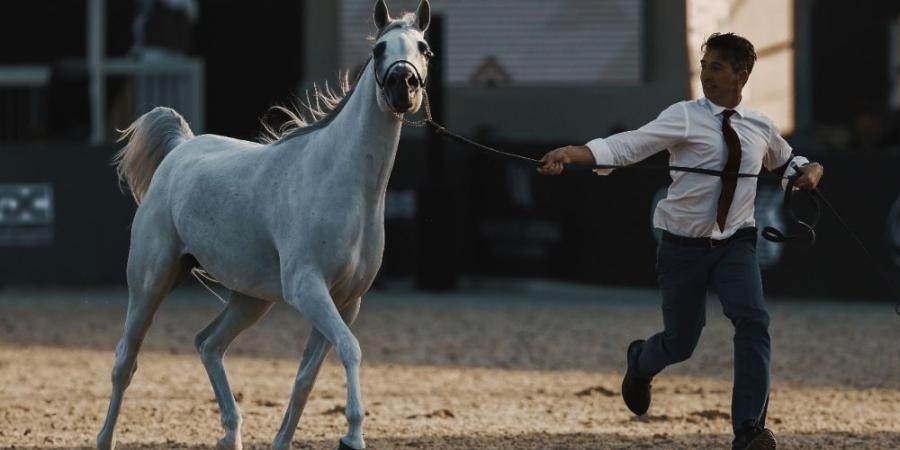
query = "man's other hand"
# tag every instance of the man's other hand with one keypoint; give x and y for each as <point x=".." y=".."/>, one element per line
<point x="810" y="174"/>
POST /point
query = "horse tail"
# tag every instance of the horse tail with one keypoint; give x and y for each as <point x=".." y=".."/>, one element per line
<point x="150" y="138"/>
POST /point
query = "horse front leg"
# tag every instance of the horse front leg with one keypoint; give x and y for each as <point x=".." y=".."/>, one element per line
<point x="314" y="301"/>
<point x="317" y="348"/>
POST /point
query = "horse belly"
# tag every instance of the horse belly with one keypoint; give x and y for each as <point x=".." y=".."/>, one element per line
<point x="253" y="274"/>
<point x="236" y="256"/>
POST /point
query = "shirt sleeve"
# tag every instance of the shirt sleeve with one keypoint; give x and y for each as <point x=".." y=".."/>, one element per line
<point x="671" y="127"/>
<point x="780" y="156"/>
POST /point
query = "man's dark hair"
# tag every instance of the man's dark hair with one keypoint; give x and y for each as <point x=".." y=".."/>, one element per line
<point x="737" y="50"/>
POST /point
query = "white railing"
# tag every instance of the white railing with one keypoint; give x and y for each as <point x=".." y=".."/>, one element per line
<point x="22" y="90"/>
<point x="24" y="76"/>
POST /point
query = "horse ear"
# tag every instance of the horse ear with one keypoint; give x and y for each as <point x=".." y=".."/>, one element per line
<point x="382" y="16"/>
<point x="423" y="15"/>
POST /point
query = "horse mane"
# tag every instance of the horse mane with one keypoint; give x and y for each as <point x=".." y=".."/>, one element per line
<point x="325" y="103"/>
<point x="320" y="110"/>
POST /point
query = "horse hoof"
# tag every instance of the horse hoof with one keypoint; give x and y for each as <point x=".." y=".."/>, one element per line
<point x="228" y="444"/>
<point x="104" y="443"/>
<point x="343" y="446"/>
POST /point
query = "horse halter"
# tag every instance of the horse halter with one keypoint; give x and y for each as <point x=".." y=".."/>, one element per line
<point x="387" y="99"/>
<point x="388" y="71"/>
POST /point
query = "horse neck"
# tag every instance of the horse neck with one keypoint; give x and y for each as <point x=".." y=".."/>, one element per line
<point x="365" y="137"/>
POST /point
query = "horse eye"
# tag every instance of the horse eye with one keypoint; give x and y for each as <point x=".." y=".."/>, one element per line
<point x="423" y="47"/>
<point x="379" y="49"/>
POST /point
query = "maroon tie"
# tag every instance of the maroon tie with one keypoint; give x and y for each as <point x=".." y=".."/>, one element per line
<point x="729" y="182"/>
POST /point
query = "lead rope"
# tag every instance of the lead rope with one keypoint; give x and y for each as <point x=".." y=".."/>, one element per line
<point x="892" y="288"/>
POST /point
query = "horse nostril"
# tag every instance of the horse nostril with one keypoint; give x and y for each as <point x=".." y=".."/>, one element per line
<point x="392" y="80"/>
<point x="412" y="81"/>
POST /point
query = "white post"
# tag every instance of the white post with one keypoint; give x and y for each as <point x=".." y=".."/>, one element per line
<point x="96" y="47"/>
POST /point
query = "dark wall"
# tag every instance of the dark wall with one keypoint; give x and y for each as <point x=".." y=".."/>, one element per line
<point x="850" y="43"/>
<point x="90" y="230"/>
<point x="38" y="32"/>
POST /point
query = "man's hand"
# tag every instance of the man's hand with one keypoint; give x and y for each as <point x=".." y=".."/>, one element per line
<point x="552" y="163"/>
<point x="810" y="174"/>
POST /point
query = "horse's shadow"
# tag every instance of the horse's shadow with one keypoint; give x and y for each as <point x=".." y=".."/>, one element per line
<point x="544" y="441"/>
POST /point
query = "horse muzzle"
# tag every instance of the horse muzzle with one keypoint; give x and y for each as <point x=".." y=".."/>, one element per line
<point x="402" y="88"/>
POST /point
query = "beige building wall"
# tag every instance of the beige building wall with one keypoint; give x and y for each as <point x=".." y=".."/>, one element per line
<point x="769" y="25"/>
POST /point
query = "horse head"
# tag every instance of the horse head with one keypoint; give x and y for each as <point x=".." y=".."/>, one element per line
<point x="400" y="58"/>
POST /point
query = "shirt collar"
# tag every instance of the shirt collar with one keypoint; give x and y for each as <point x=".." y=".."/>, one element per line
<point x="717" y="110"/>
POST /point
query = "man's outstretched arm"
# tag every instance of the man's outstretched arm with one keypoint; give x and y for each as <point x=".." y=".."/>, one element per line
<point x="622" y="149"/>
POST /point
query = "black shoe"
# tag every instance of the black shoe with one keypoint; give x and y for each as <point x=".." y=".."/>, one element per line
<point x="752" y="437"/>
<point x="635" y="388"/>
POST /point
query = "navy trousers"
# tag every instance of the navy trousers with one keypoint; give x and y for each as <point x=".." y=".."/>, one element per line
<point x="685" y="270"/>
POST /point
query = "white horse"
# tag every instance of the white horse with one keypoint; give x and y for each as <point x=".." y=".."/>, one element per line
<point x="299" y="220"/>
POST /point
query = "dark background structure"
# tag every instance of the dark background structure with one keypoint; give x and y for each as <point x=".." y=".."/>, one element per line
<point x="451" y="212"/>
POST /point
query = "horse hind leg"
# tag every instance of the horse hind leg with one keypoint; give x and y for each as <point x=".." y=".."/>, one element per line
<point x="153" y="270"/>
<point x="239" y="314"/>
<point x="314" y="353"/>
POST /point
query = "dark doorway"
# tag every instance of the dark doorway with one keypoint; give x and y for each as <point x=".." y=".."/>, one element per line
<point x="254" y="59"/>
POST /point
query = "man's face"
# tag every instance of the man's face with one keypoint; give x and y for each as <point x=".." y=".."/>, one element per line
<point x="721" y="83"/>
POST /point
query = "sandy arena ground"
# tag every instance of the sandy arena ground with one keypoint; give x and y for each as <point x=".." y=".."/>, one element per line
<point x="498" y="366"/>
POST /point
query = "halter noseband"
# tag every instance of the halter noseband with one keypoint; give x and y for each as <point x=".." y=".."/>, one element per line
<point x="388" y="71"/>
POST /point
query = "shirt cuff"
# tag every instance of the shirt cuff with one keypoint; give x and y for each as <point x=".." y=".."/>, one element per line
<point x="602" y="155"/>
<point x="796" y="161"/>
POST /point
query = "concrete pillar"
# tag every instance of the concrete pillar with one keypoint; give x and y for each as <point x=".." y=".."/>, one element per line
<point x="96" y="47"/>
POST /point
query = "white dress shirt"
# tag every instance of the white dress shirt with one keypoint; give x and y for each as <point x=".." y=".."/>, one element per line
<point x="692" y="132"/>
